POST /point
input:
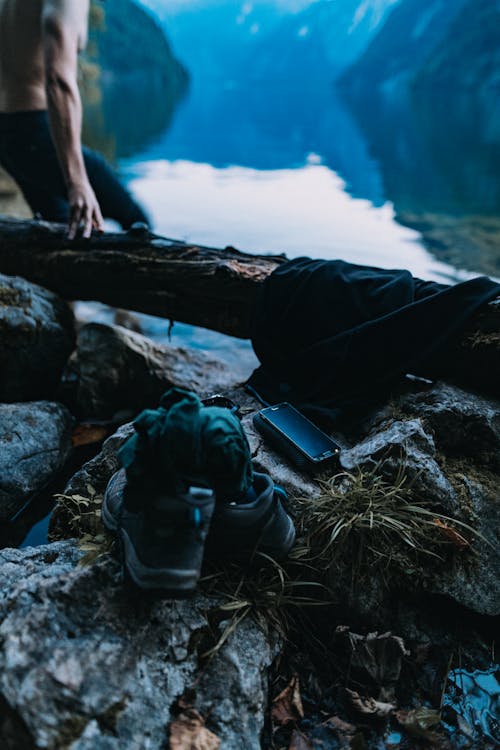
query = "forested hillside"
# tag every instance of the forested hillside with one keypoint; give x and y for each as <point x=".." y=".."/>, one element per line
<point x="129" y="40"/>
<point x="131" y="79"/>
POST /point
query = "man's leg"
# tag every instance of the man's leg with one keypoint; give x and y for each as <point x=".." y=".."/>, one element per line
<point x="114" y="199"/>
<point x="28" y="153"/>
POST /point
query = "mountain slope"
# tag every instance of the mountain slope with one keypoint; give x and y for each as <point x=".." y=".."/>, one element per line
<point x="130" y="40"/>
<point x="468" y="57"/>
<point x="213" y="37"/>
<point x="321" y="40"/>
<point x="263" y="39"/>
<point x="411" y="33"/>
<point x="132" y="82"/>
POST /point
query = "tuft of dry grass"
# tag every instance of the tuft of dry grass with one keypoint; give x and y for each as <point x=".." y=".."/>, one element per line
<point x="82" y="519"/>
<point x="362" y="522"/>
<point x="265" y="590"/>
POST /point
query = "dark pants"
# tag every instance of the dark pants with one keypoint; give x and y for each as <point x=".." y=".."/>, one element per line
<point x="28" y="154"/>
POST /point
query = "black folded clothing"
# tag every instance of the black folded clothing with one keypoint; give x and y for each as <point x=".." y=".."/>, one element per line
<point x="332" y="336"/>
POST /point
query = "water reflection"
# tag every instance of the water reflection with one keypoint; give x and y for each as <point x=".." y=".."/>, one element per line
<point x="438" y="151"/>
<point x="128" y="113"/>
<point x="302" y="211"/>
<point x="432" y="156"/>
<point x="270" y="127"/>
<point x="472" y="703"/>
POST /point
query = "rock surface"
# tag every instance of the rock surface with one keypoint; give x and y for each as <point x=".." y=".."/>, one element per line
<point x="475" y="583"/>
<point x="401" y="447"/>
<point x="462" y="423"/>
<point x="404" y="448"/>
<point x="35" y="441"/>
<point x="85" y="667"/>
<point x="36" y="339"/>
<point x="116" y="369"/>
<point x="448" y="443"/>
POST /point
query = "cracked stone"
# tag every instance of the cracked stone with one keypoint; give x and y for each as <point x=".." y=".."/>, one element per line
<point x="35" y="441"/>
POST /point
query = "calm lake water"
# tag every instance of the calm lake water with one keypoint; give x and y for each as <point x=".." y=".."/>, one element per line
<point x="278" y="168"/>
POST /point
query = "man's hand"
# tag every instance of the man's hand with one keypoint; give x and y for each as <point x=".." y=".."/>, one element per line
<point x="84" y="211"/>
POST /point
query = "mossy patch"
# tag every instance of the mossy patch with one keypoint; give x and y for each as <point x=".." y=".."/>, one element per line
<point x="471" y="242"/>
<point x="10" y="297"/>
<point x="459" y="469"/>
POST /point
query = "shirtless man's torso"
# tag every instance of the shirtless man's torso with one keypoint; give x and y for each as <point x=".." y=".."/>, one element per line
<point x="41" y="118"/>
<point x="22" y="65"/>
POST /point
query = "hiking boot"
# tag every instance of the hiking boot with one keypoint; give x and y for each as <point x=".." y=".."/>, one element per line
<point x="161" y="536"/>
<point x="259" y="523"/>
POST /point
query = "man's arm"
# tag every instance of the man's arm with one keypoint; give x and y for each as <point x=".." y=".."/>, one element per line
<point x="63" y="24"/>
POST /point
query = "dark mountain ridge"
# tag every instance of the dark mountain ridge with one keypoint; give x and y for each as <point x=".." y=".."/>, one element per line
<point x="468" y="56"/>
<point x="412" y="32"/>
<point x="135" y="80"/>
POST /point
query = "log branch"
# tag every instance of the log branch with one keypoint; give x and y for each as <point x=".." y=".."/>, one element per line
<point x="202" y="286"/>
<point x="139" y="271"/>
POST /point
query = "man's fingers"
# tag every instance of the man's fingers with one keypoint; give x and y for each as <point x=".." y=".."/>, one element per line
<point x="98" y="221"/>
<point x="85" y="213"/>
<point x="74" y="222"/>
<point x="87" y="223"/>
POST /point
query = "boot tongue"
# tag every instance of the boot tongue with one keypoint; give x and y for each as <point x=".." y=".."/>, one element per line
<point x="183" y="442"/>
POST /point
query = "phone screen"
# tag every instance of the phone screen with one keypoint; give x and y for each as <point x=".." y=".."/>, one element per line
<point x="309" y="438"/>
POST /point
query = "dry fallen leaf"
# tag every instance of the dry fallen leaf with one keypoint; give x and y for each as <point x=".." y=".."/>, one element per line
<point x="368" y="706"/>
<point x="334" y="722"/>
<point x="88" y="434"/>
<point x="287" y="706"/>
<point x="452" y="534"/>
<point x="188" y="732"/>
<point x="419" y="721"/>
<point x="299" y="741"/>
<point x="379" y="655"/>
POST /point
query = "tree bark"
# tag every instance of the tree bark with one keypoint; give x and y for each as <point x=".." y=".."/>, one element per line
<point x="192" y="284"/>
<point x="140" y="271"/>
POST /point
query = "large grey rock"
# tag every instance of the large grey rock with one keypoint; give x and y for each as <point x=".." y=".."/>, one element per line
<point x="35" y="441"/>
<point x="462" y="423"/>
<point x="36" y="339"/>
<point x="465" y="428"/>
<point x="85" y="667"/>
<point x="404" y="448"/>
<point x="474" y="581"/>
<point x="116" y="369"/>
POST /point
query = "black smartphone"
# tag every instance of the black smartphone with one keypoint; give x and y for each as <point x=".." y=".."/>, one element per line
<point x="296" y="437"/>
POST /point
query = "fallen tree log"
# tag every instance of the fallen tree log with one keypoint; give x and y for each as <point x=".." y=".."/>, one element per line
<point x="202" y="286"/>
<point x="139" y="271"/>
